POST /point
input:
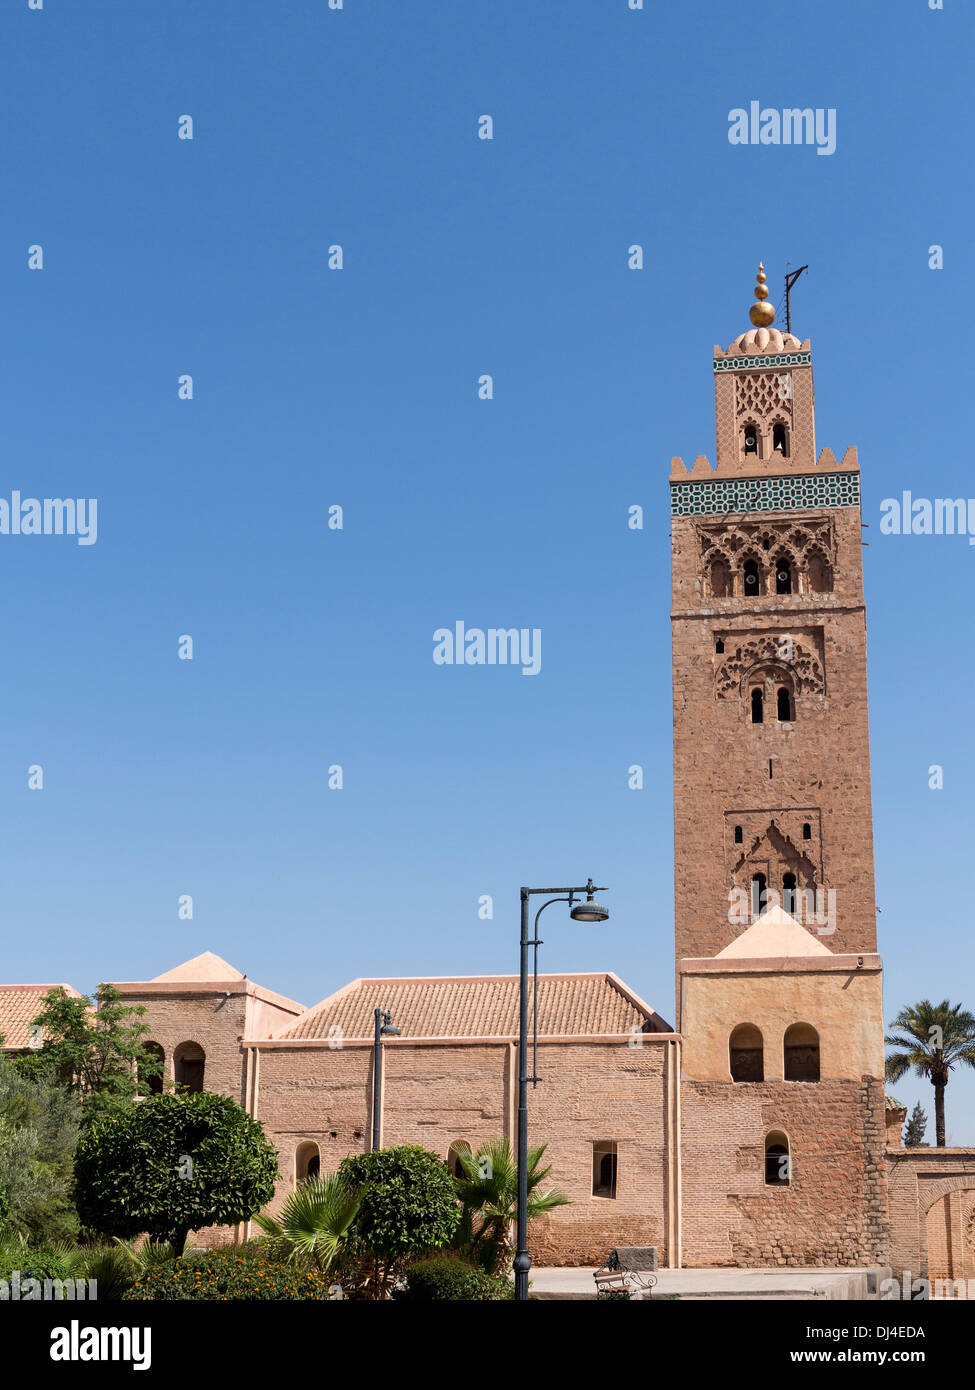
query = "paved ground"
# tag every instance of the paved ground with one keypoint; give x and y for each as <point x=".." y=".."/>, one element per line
<point x="724" y="1283"/>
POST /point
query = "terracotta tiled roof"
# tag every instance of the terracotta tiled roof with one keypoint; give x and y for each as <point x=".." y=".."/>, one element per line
<point x="19" y="1004"/>
<point x="480" y="1006"/>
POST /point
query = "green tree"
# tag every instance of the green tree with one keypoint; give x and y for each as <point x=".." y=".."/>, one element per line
<point x="38" y="1130"/>
<point x="96" y="1046"/>
<point x="915" y="1128"/>
<point x="173" y="1164"/>
<point x="489" y="1194"/>
<point x="931" y="1040"/>
<point x="408" y="1206"/>
<point x="315" y="1224"/>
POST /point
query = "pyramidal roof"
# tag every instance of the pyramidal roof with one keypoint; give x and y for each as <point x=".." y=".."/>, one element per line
<point x="201" y="969"/>
<point x="775" y="933"/>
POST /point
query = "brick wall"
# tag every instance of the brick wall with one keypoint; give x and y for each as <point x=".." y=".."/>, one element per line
<point x="834" y="1212"/>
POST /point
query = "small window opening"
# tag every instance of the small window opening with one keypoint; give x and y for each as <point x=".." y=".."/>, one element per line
<point x="604" y="1168"/>
<point x="770" y="769"/>
<point x="780" y="443"/>
<point x="784" y="706"/>
<point x="759" y="894"/>
<point x="308" y="1163"/>
<point x="739" y="835"/>
<point x="783" y="577"/>
<point x="454" y="1160"/>
<point x="719" y="646"/>
<point x="778" y="1161"/>
<point x="758" y="706"/>
<point x="751" y="439"/>
<point x="806" y="830"/>
<point x="751" y="579"/>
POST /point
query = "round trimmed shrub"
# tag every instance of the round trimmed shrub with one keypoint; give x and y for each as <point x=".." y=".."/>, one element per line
<point x="448" y="1278"/>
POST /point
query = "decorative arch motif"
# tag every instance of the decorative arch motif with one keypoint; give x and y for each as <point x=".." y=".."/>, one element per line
<point x="802" y="665"/>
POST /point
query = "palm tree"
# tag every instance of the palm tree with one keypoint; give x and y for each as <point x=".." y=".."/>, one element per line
<point x="931" y="1039"/>
<point x="489" y="1195"/>
<point x="315" y="1222"/>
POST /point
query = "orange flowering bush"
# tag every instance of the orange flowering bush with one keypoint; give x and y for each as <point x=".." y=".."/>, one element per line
<point x="228" y="1275"/>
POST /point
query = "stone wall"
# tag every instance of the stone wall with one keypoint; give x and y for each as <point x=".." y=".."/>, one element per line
<point x="834" y="1212"/>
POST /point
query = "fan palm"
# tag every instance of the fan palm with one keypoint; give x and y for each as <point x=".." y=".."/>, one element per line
<point x="931" y="1039"/>
<point x="315" y="1222"/>
<point x="489" y="1195"/>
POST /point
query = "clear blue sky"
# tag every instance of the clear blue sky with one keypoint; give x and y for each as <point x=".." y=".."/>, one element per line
<point x="317" y="387"/>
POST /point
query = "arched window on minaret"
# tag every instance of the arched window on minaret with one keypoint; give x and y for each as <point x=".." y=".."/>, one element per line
<point x="780" y="440"/>
<point x="751" y="439"/>
<point x="789" y="893"/>
<point x="720" y="577"/>
<point x="783" y="575"/>
<point x="784" y="705"/>
<point x="819" y="572"/>
<point x="758" y="705"/>
<point x="753" y="579"/>
<point x="759" y="894"/>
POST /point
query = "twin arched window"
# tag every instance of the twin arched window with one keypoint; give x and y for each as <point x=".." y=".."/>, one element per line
<point x="800" y="1049"/>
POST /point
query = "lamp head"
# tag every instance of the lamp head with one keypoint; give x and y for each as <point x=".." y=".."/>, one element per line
<point x="589" y="911"/>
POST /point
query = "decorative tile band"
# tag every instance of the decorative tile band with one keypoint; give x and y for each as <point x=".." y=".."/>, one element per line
<point x="800" y="493"/>
<point x="775" y="359"/>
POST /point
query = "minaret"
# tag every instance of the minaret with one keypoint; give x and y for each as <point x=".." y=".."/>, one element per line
<point x="771" y="757"/>
<point x="779" y="984"/>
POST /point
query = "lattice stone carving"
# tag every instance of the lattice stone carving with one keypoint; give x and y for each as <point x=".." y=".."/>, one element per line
<point x="764" y="394"/>
<point x="774" y="648"/>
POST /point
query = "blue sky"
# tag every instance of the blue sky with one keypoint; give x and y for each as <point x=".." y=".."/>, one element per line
<point x="358" y="387"/>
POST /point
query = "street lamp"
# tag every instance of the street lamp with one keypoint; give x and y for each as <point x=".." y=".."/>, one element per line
<point x="383" y="1026"/>
<point x="586" y="911"/>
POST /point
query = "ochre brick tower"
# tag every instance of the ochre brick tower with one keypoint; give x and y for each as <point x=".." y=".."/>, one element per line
<point x="768" y="624"/>
<point x="779" y="984"/>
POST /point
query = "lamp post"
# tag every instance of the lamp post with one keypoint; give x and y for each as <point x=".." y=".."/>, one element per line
<point x="587" y="911"/>
<point x="383" y="1025"/>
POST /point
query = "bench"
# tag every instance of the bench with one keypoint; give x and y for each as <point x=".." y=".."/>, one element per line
<point x="629" y="1272"/>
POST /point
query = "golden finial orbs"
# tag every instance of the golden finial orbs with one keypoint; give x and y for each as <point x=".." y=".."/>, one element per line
<point x="761" y="314"/>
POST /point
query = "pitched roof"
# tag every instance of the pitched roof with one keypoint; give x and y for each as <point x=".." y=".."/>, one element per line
<point x="480" y="1006"/>
<point x="775" y="933"/>
<point x="200" y="969"/>
<point x="19" y="1004"/>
